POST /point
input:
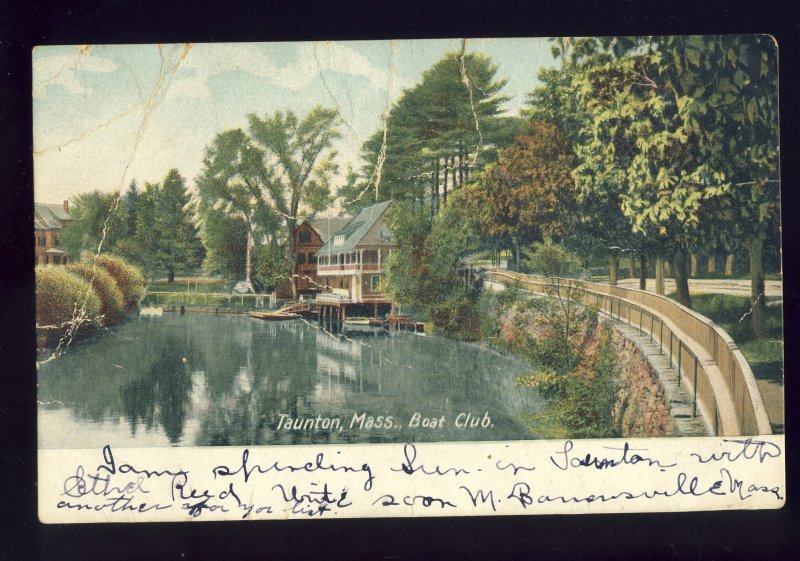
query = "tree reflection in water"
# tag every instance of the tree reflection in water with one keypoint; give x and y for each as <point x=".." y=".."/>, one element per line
<point x="223" y="381"/>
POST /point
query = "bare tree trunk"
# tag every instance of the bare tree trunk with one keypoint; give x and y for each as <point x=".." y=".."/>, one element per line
<point x="682" y="278"/>
<point x="758" y="299"/>
<point x="612" y="270"/>
<point x="434" y="186"/>
<point x="515" y="241"/>
<point x="666" y="269"/>
<point x="660" y="276"/>
<point x="642" y="271"/>
<point x="712" y="264"/>
<point x="446" y="174"/>
<point x="251" y="244"/>
<point x="729" y="265"/>
<point x="461" y="167"/>
<point x="693" y="259"/>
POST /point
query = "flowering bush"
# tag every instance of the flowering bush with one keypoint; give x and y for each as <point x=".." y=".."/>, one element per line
<point x="111" y="304"/>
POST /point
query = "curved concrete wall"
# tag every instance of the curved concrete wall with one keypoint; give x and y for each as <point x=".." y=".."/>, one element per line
<point x="708" y="361"/>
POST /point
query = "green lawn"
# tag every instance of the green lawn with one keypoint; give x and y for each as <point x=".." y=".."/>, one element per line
<point x="766" y="355"/>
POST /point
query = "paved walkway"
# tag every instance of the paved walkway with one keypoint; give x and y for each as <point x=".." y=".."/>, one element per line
<point x="734" y="287"/>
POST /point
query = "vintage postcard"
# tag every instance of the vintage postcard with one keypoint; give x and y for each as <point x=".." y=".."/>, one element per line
<point x="408" y="278"/>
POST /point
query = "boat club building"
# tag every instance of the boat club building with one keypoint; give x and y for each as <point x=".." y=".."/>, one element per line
<point x="351" y="266"/>
<point x="309" y="236"/>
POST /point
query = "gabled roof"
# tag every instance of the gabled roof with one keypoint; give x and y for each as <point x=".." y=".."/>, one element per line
<point x="356" y="229"/>
<point x="327" y="227"/>
<point x="48" y="217"/>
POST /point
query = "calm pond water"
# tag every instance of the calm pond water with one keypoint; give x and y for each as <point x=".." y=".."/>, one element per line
<point x="230" y="380"/>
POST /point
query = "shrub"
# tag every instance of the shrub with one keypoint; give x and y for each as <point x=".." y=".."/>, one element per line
<point x="456" y="316"/>
<point x="64" y="301"/>
<point x="103" y="284"/>
<point x="128" y="278"/>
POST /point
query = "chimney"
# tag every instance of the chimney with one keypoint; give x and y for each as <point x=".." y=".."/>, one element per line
<point x="66" y="206"/>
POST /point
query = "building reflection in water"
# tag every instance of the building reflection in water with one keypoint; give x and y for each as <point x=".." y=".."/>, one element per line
<point x="215" y="380"/>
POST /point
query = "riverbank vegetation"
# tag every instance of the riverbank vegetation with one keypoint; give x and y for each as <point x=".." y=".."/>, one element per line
<point x="77" y="299"/>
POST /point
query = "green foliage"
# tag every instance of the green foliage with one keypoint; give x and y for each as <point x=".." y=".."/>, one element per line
<point x="552" y="260"/>
<point x="177" y="244"/>
<point x="581" y="390"/>
<point x="128" y="278"/>
<point x="225" y="240"/>
<point x="298" y="157"/>
<point x="271" y="267"/>
<point x="262" y="179"/>
<point x="152" y="228"/>
<point x="587" y="399"/>
<point x="103" y="284"/>
<point x="424" y="270"/>
<point x="64" y="302"/>
<point x="97" y="218"/>
<point x="441" y="129"/>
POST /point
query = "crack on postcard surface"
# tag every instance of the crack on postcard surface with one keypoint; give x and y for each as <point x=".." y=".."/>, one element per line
<point x="468" y="83"/>
<point x="83" y="51"/>
<point x="754" y="304"/>
<point x="375" y="177"/>
<point x="166" y="72"/>
<point x="330" y="93"/>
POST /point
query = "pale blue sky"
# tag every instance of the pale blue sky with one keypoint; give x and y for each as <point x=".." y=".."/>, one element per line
<point x="106" y="114"/>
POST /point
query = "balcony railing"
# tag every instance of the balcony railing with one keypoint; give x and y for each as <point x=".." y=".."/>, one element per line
<point x="349" y="268"/>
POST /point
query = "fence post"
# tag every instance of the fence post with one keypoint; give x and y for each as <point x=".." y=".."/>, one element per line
<point x="680" y="348"/>
<point x="660" y="336"/>
<point x="641" y="312"/>
<point x="694" y="404"/>
<point x="670" y="348"/>
<point x="652" y="321"/>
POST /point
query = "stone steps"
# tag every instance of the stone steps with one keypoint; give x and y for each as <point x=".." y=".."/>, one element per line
<point x="679" y="400"/>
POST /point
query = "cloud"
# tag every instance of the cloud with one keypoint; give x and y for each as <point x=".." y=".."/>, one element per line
<point x="206" y="61"/>
<point x="63" y="69"/>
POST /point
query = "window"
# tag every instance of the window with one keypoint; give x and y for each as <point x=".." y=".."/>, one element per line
<point x="312" y="258"/>
<point x="305" y="236"/>
<point x="338" y="239"/>
<point x="301" y="258"/>
<point x="41" y="241"/>
<point x="375" y="283"/>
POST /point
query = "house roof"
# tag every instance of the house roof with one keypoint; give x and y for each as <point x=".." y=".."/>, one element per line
<point x="49" y="217"/>
<point x="357" y="229"/>
<point x="327" y="227"/>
